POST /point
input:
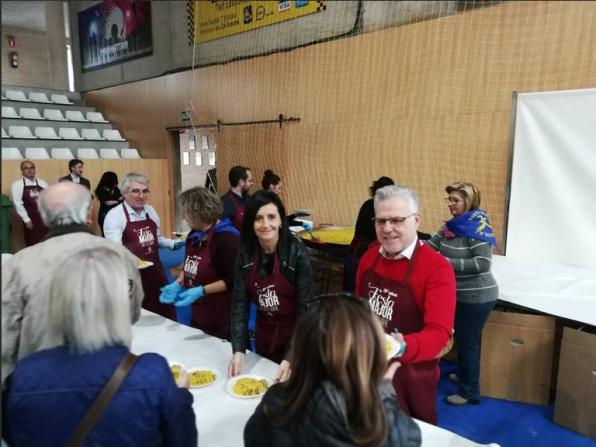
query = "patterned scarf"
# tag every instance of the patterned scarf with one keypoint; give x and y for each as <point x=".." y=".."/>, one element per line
<point x="224" y="225"/>
<point x="474" y="224"/>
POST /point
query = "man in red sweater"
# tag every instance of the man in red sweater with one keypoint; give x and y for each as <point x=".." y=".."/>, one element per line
<point x="411" y="288"/>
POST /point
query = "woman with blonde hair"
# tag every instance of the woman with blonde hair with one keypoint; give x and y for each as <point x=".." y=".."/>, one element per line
<point x="340" y="391"/>
<point x="51" y="392"/>
<point x="466" y="240"/>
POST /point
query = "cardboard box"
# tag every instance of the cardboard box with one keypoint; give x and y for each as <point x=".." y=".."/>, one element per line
<point x="575" y="403"/>
<point x="517" y="356"/>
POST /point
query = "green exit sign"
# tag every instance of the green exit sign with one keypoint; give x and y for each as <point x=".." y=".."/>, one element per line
<point x="185" y="116"/>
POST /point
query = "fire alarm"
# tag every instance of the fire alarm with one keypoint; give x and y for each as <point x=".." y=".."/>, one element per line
<point x="11" y="42"/>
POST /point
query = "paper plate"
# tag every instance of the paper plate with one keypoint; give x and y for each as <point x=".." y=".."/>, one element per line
<point x="173" y="364"/>
<point x="142" y="264"/>
<point x="203" y="368"/>
<point x="234" y="380"/>
<point x="392" y="346"/>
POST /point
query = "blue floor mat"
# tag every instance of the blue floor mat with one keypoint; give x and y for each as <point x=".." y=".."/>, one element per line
<point x="509" y="424"/>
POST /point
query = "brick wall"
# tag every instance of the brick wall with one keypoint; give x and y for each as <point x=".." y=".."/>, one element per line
<point x="32" y="48"/>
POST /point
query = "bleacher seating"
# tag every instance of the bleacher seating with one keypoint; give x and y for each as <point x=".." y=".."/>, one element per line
<point x="16" y="95"/>
<point x="96" y="117"/>
<point x="91" y="134"/>
<point x="30" y="113"/>
<point x="59" y="143"/>
<point x="129" y="153"/>
<point x="109" y="154"/>
<point x="54" y="115"/>
<point x="46" y="133"/>
<point x="112" y="135"/>
<point x="69" y="133"/>
<point x="20" y="132"/>
<point x="37" y="153"/>
<point x="87" y="153"/>
<point x="60" y="99"/>
<point x="11" y="153"/>
<point x="9" y="112"/>
<point x="62" y="153"/>
<point x="75" y="115"/>
<point x="38" y="97"/>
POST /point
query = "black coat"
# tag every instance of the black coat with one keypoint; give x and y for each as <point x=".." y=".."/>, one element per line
<point x="83" y="180"/>
<point x="325" y="421"/>
<point x="295" y="266"/>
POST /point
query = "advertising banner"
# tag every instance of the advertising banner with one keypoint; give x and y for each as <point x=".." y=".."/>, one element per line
<point x="114" y="31"/>
<point x="216" y="19"/>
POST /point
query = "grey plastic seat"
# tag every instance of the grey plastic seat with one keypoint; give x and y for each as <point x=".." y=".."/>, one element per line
<point x="38" y="97"/>
<point x="75" y="115"/>
<point x="60" y="99"/>
<point x="109" y="154"/>
<point x="112" y="135"/>
<point x="91" y="134"/>
<point x="20" y="132"/>
<point x="87" y="153"/>
<point x="62" y="153"/>
<point x="46" y="133"/>
<point x="54" y="115"/>
<point x="4" y="134"/>
<point x="9" y="112"/>
<point x="129" y="153"/>
<point x="69" y="133"/>
<point x="96" y="117"/>
<point x="36" y="153"/>
<point x="30" y="113"/>
<point x="16" y="95"/>
<point x="11" y="153"/>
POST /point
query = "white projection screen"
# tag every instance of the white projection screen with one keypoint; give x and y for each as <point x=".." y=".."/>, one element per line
<point x="552" y="206"/>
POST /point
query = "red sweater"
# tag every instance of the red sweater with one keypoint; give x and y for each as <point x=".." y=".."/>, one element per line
<point x="433" y="286"/>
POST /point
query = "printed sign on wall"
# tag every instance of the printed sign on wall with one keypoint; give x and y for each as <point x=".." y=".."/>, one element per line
<point x="216" y="19"/>
<point x="114" y="31"/>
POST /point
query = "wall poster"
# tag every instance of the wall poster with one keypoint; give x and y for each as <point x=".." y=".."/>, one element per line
<point x="114" y="31"/>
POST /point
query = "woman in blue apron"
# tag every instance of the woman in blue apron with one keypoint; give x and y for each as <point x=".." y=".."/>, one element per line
<point x="274" y="272"/>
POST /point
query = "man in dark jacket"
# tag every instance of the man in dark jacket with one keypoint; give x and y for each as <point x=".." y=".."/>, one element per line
<point x="75" y="167"/>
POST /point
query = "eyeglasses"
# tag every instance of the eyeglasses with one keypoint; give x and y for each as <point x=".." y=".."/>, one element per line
<point x="138" y="192"/>
<point x="453" y="200"/>
<point x="28" y="167"/>
<point x="393" y="221"/>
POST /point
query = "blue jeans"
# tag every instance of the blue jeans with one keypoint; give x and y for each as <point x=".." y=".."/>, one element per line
<point x="469" y="321"/>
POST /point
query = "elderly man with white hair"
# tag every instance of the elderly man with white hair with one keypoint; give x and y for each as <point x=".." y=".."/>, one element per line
<point x="136" y="225"/>
<point x="411" y="288"/>
<point x="66" y="210"/>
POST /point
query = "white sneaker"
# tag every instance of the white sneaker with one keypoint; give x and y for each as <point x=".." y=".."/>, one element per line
<point x="453" y="377"/>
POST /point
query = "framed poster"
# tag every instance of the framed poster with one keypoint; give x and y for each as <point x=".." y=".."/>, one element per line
<point x="114" y="31"/>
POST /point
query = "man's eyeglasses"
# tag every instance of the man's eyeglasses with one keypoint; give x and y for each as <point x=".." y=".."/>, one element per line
<point x="138" y="192"/>
<point x="453" y="200"/>
<point x="393" y="221"/>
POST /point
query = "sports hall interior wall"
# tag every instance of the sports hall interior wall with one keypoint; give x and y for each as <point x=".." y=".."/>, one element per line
<point x="426" y="103"/>
<point x="32" y="50"/>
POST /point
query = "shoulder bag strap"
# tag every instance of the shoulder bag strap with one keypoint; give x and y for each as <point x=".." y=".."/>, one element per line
<point x="102" y="400"/>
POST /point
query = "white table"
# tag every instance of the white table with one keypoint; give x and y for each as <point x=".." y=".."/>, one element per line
<point x="560" y="290"/>
<point x="220" y="417"/>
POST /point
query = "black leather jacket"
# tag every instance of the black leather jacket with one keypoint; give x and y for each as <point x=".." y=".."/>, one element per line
<point x="325" y="421"/>
<point x="295" y="266"/>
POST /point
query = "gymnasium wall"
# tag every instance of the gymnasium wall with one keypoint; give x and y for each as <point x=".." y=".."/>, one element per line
<point x="426" y="103"/>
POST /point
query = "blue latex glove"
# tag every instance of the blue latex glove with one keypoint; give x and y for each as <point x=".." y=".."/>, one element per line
<point x="178" y="245"/>
<point x="307" y="226"/>
<point x="170" y="293"/>
<point x="190" y="296"/>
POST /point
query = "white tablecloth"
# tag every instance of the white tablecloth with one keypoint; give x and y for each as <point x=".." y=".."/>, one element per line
<point x="564" y="291"/>
<point x="221" y="417"/>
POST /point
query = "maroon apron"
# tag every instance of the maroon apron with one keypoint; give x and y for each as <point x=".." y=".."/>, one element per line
<point x="275" y="298"/>
<point x="141" y="238"/>
<point x="30" y="198"/>
<point x="239" y="214"/>
<point x="393" y="302"/>
<point x="211" y="313"/>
